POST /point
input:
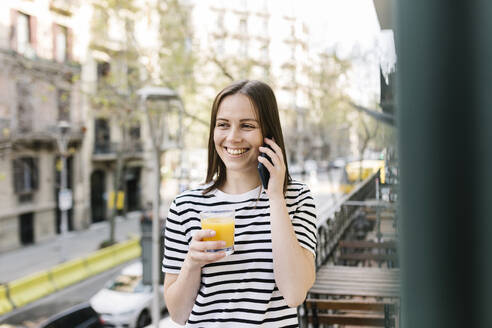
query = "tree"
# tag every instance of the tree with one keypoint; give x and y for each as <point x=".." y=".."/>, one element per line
<point x="167" y="61"/>
<point x="328" y="115"/>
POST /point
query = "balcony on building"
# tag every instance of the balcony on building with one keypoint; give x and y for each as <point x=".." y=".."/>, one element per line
<point x="62" y="7"/>
<point x="107" y="149"/>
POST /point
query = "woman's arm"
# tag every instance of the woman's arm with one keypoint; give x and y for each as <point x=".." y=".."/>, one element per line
<point x="293" y="265"/>
<point x="180" y="290"/>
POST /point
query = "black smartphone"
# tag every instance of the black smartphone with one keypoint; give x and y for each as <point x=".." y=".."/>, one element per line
<point x="263" y="171"/>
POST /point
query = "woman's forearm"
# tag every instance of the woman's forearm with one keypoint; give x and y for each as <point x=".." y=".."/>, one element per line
<point x="181" y="293"/>
<point x="293" y="265"/>
<point x="180" y="290"/>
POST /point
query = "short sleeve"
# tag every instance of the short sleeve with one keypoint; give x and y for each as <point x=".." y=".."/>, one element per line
<point x="304" y="220"/>
<point x="175" y="241"/>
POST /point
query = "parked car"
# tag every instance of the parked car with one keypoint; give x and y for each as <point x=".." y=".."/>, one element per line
<point x="126" y="301"/>
<point x="79" y="316"/>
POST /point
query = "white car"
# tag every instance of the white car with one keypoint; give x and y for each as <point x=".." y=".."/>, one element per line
<point x="126" y="302"/>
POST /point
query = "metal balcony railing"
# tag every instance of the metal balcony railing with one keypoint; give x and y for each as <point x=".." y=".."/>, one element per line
<point x="130" y="148"/>
<point x="104" y="148"/>
<point x="332" y="223"/>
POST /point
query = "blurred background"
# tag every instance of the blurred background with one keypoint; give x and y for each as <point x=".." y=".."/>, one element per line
<point x="76" y="146"/>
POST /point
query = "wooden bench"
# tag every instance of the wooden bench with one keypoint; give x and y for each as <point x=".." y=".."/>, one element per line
<point x="349" y="312"/>
<point x="365" y="251"/>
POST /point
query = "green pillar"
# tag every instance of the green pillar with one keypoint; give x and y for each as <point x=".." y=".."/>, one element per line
<point x="444" y="111"/>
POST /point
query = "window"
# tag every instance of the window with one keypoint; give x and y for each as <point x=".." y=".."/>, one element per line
<point x="103" y="69"/>
<point x="102" y="138"/>
<point x="220" y="21"/>
<point x="23" y="33"/>
<point x="25" y="175"/>
<point x="61" y="43"/>
<point x="63" y="97"/>
<point x="24" y="107"/>
<point x="134" y="132"/>
<point x="243" y="26"/>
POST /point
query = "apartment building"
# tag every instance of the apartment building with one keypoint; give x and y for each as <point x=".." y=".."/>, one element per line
<point x="54" y="62"/>
<point x="38" y="90"/>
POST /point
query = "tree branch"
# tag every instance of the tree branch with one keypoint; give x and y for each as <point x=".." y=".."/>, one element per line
<point x="223" y="69"/>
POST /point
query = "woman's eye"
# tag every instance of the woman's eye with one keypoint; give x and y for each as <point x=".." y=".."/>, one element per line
<point x="221" y="125"/>
<point x="248" y="126"/>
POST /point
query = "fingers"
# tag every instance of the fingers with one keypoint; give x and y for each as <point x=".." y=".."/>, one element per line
<point x="203" y="258"/>
<point x="200" y="234"/>
<point x="204" y="246"/>
<point x="275" y="153"/>
<point x="274" y="145"/>
<point x="198" y="251"/>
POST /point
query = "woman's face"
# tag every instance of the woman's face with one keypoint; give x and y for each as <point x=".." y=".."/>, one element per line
<point x="237" y="134"/>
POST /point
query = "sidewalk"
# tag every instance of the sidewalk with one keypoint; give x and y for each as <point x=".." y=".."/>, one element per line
<point x="45" y="255"/>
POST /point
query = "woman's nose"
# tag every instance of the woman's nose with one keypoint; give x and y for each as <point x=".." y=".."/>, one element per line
<point x="234" y="134"/>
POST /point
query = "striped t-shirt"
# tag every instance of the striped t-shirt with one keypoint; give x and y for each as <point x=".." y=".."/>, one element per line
<point x="239" y="290"/>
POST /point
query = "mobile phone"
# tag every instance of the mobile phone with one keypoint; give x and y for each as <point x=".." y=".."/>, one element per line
<point x="263" y="171"/>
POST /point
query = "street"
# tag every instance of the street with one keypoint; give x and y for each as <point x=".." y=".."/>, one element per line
<point x="34" y="313"/>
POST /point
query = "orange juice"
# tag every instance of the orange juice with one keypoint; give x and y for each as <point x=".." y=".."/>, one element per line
<point x="222" y="222"/>
<point x="223" y="227"/>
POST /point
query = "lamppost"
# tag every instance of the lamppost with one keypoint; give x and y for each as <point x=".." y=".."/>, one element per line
<point x="157" y="116"/>
<point x="300" y="113"/>
<point x="65" y="194"/>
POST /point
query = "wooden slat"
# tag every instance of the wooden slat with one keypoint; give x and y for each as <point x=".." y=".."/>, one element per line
<point x="383" y="216"/>
<point x="366" y="244"/>
<point x="322" y="304"/>
<point x="357" y="281"/>
<point x="353" y="320"/>
<point x="367" y="257"/>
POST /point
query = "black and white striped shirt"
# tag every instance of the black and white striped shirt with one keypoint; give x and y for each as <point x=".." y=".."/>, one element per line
<point x="239" y="290"/>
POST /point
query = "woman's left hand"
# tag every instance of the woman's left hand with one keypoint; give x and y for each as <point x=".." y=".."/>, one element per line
<point x="277" y="170"/>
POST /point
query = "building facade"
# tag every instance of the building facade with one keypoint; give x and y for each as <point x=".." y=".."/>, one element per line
<point x="39" y="89"/>
<point x="54" y="63"/>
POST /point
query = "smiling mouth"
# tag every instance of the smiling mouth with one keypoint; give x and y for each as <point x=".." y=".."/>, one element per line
<point x="236" y="151"/>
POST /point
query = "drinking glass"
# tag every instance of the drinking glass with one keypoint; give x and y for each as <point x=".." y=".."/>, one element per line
<point x="222" y="222"/>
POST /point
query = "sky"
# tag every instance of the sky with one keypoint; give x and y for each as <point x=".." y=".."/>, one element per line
<point x="350" y="28"/>
<point x="339" y="23"/>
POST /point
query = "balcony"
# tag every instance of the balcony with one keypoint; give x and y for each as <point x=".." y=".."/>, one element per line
<point x="62" y="7"/>
<point x="108" y="151"/>
<point x="39" y="67"/>
<point x="30" y="136"/>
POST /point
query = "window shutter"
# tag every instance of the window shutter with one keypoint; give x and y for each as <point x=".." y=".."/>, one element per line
<point x="18" y="176"/>
<point x="54" y="30"/>
<point x="69" y="44"/>
<point x="34" y="173"/>
<point x="33" y="33"/>
<point x="13" y="27"/>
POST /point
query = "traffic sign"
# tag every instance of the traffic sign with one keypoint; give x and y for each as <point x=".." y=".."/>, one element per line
<point x="65" y="199"/>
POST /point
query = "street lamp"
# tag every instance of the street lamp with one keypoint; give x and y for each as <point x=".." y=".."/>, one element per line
<point x="65" y="194"/>
<point x="157" y="116"/>
<point x="301" y="112"/>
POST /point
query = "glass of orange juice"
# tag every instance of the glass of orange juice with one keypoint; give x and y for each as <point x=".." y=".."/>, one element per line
<point x="222" y="222"/>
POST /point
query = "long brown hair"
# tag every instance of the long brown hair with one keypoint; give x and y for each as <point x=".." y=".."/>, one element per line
<point x="265" y="105"/>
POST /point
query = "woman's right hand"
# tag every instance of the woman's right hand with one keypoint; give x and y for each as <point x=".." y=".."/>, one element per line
<point x="197" y="255"/>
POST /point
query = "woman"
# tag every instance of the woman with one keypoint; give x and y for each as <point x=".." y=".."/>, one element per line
<point x="272" y="267"/>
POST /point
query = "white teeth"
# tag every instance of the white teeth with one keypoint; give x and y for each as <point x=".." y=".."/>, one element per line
<point x="236" y="151"/>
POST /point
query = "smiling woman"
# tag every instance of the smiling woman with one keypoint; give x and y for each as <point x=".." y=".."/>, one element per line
<point x="271" y="267"/>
